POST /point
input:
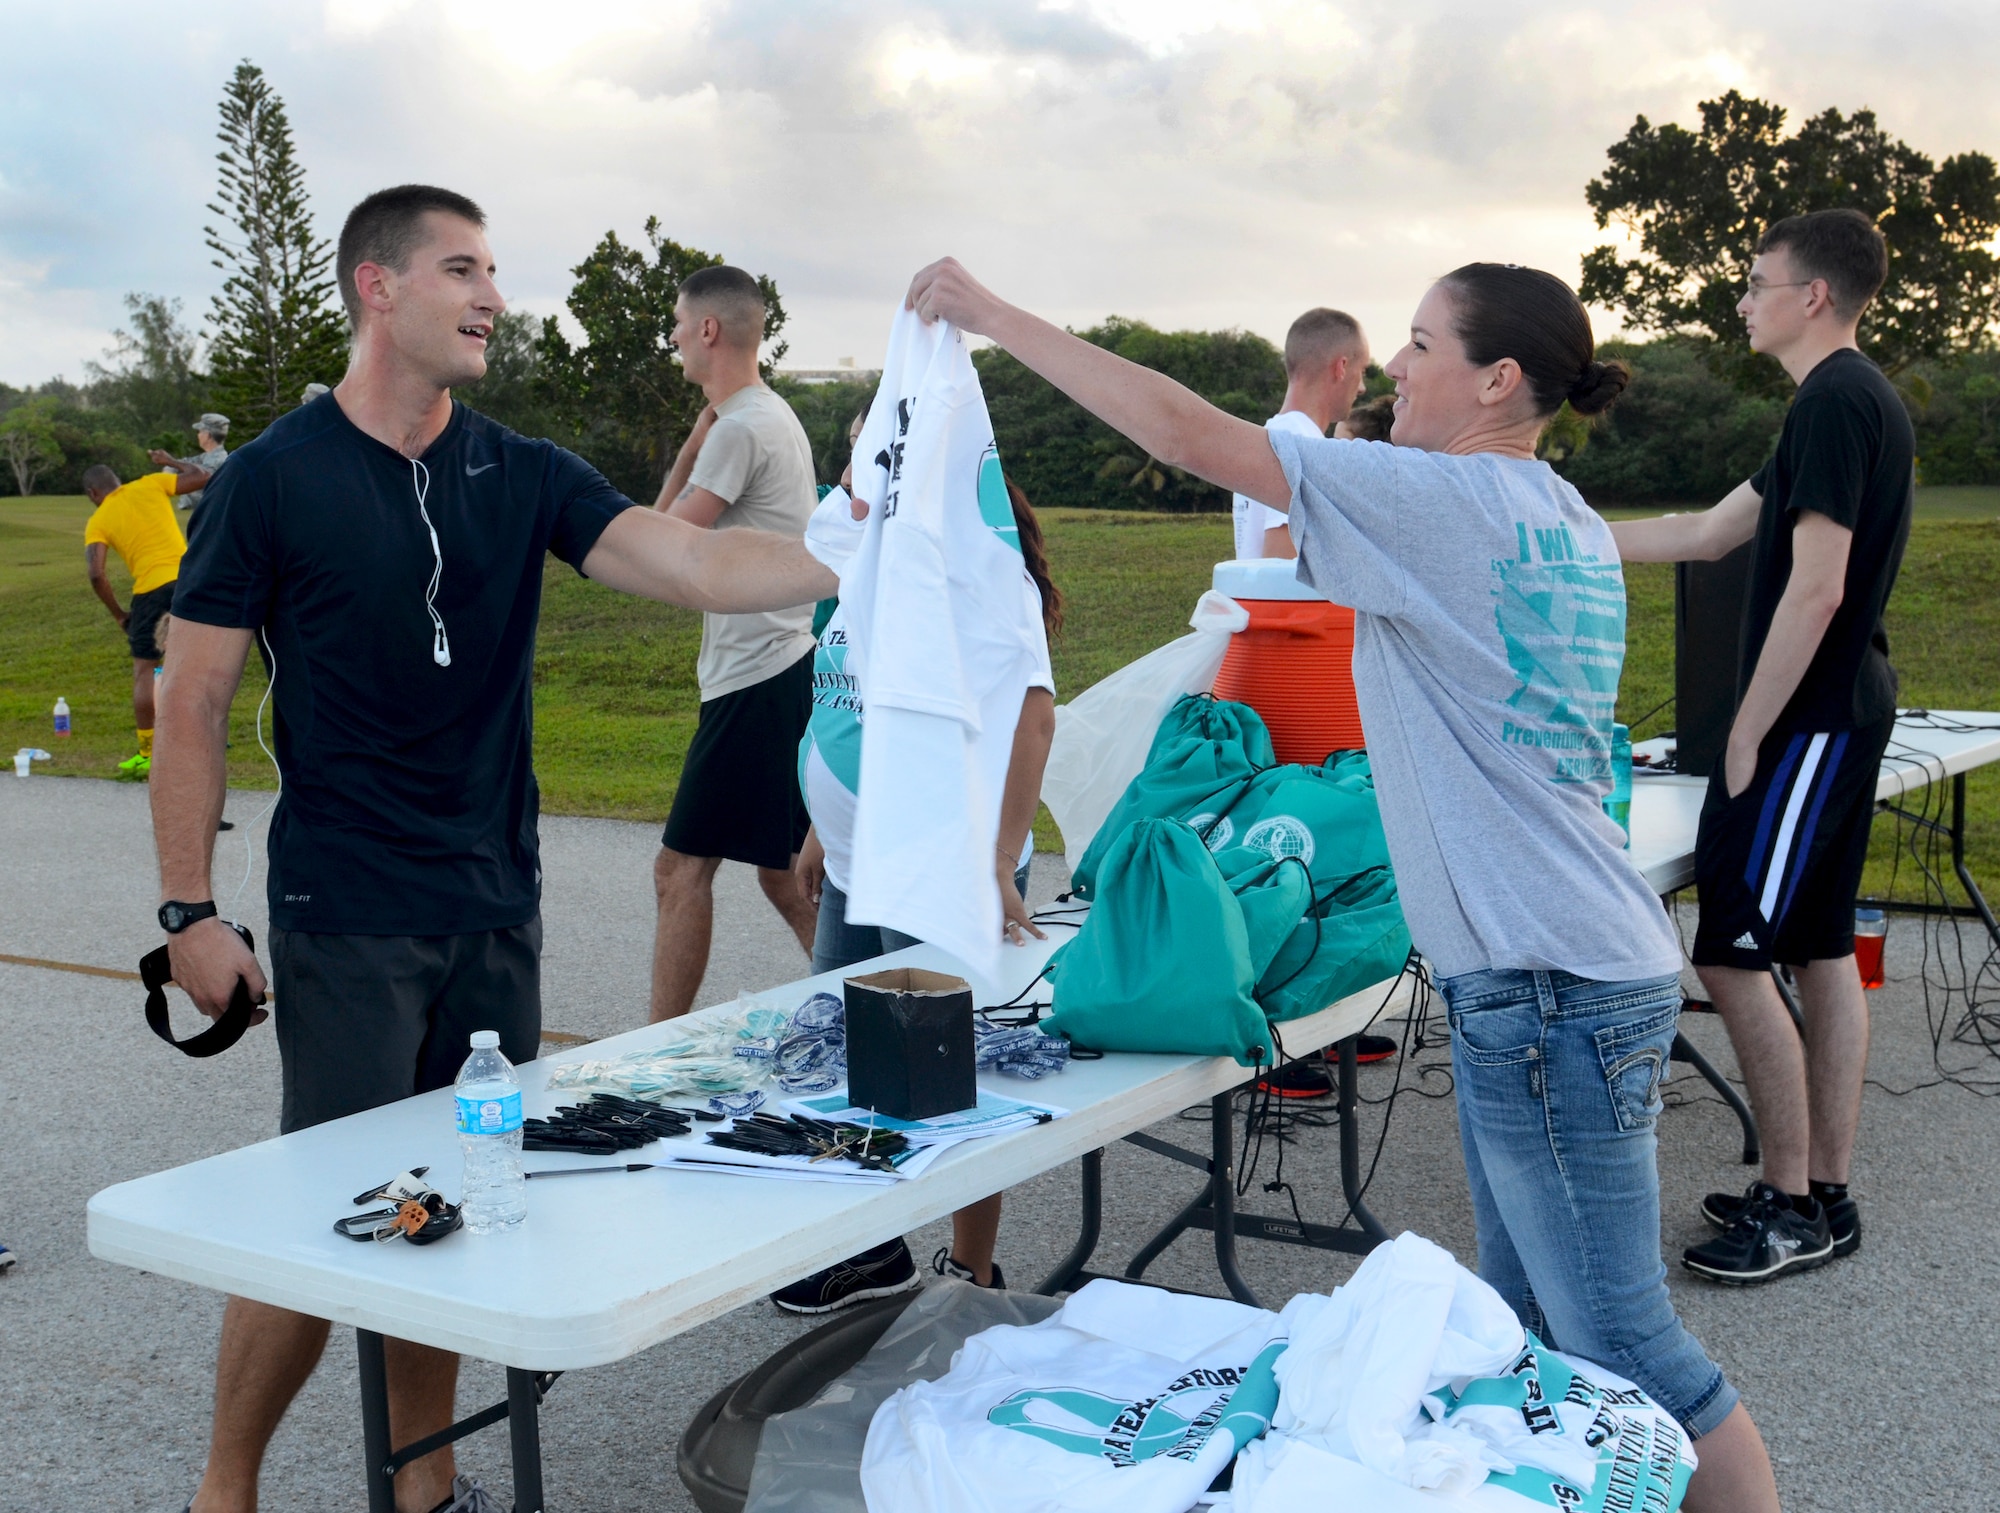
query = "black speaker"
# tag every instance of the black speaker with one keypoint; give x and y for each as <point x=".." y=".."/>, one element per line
<point x="1708" y="649"/>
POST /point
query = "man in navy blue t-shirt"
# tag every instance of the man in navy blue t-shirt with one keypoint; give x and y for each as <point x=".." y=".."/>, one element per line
<point x="383" y="546"/>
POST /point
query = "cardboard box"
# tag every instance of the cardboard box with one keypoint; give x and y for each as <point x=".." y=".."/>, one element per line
<point x="909" y="1043"/>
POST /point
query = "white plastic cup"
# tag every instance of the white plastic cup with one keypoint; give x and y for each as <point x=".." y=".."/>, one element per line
<point x="23" y="762"/>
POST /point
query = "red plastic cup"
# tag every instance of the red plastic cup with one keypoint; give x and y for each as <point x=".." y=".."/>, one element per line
<point x="1871" y="927"/>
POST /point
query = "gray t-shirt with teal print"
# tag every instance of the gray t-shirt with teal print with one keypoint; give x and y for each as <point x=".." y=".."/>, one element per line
<point x="1489" y="635"/>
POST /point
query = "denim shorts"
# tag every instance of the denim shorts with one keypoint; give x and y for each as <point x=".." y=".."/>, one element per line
<point x="1558" y="1092"/>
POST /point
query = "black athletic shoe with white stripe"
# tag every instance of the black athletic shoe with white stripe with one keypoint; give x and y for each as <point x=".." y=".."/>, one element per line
<point x="1843" y="1217"/>
<point x="878" y="1273"/>
<point x="1767" y="1239"/>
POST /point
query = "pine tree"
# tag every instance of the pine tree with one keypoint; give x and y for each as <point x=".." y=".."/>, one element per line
<point x="275" y="327"/>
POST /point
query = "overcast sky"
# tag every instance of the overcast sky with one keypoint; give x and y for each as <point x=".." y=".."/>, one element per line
<point x="1189" y="164"/>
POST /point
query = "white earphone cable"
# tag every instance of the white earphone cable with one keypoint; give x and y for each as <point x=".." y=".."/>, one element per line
<point x="420" y="480"/>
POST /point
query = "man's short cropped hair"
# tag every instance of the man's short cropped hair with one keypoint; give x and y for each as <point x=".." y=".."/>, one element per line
<point x="98" y="476"/>
<point x="1844" y="247"/>
<point x="387" y="227"/>
<point x="733" y="297"/>
<point x="1318" y="337"/>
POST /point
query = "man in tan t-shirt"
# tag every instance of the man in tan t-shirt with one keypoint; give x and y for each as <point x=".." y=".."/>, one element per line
<point x="747" y="463"/>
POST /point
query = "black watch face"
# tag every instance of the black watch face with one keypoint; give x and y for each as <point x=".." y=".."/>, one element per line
<point x="173" y="917"/>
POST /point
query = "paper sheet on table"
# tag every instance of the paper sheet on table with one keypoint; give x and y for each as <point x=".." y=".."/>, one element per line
<point x="694" y="1152"/>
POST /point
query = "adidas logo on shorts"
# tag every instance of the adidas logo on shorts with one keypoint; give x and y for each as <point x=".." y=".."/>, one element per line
<point x="1745" y="942"/>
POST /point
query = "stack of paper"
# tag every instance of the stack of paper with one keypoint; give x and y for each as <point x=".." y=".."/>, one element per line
<point x="928" y="1138"/>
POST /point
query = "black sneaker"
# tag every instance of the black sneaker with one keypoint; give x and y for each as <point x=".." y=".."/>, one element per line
<point x="945" y="1264"/>
<point x="1843" y="1217"/>
<point x="1307" y="1077"/>
<point x="1369" y="1048"/>
<point x="1767" y="1238"/>
<point x="878" y="1273"/>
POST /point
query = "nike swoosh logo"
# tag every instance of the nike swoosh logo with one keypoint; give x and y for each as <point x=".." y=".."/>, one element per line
<point x="473" y="472"/>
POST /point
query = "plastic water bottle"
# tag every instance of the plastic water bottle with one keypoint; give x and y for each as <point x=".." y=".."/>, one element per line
<point x="494" y="1193"/>
<point x="1618" y="803"/>
<point x="62" y="715"/>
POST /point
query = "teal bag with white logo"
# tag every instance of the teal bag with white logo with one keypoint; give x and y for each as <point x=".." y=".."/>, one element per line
<point x="1203" y="754"/>
<point x="1163" y="961"/>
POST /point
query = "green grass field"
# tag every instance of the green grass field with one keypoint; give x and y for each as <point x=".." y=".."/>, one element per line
<point x="615" y="696"/>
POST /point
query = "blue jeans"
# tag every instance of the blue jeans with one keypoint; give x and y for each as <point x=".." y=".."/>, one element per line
<point x="1558" y="1092"/>
<point x="838" y="944"/>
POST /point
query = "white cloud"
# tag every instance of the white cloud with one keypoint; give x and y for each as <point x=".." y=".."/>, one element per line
<point x="1179" y="161"/>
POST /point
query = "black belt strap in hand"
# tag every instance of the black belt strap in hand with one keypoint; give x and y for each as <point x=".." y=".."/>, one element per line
<point x="156" y="971"/>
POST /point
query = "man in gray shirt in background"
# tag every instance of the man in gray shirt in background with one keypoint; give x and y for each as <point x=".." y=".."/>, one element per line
<point x="211" y="437"/>
<point x="747" y="463"/>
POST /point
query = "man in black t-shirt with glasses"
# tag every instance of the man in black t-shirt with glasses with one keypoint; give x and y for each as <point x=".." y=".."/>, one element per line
<point x="1784" y="831"/>
<point x="383" y="548"/>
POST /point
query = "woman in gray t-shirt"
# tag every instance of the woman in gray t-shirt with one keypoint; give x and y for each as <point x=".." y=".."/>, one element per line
<point x="1490" y="633"/>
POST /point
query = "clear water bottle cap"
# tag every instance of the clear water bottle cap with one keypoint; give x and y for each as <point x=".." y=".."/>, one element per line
<point x="486" y="1040"/>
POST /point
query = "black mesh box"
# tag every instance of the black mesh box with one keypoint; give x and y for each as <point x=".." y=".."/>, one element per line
<point x="909" y="1043"/>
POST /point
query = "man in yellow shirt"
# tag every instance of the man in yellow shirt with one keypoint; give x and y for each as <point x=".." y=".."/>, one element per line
<point x="136" y="520"/>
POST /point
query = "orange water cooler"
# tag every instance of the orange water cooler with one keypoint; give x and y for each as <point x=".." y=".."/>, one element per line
<point x="1293" y="663"/>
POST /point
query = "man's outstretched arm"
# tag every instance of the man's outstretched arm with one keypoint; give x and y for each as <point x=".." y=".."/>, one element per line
<point x="1170" y="421"/>
<point x="1703" y="536"/>
<point x="203" y="666"/>
<point x="729" y="572"/>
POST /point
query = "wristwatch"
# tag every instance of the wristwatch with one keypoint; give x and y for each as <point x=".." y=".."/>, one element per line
<point x="176" y="916"/>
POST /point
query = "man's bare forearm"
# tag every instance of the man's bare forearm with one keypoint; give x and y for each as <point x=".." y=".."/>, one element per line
<point x="1701" y="536"/>
<point x="727" y="572"/>
<point x="189" y="772"/>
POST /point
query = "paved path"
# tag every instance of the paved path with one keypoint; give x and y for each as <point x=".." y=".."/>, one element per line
<point x="1873" y="1378"/>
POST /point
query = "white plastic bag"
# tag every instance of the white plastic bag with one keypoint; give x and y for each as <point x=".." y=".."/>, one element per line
<point x="1103" y="735"/>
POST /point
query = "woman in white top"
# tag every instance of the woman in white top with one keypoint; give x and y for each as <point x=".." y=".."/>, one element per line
<point x="1490" y="619"/>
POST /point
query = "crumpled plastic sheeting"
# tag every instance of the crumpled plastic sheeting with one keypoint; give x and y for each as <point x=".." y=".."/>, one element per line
<point x="1019" y="1051"/>
<point x="707" y="1055"/>
<point x="813" y="1056"/>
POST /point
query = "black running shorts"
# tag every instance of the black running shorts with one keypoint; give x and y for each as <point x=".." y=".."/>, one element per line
<point x="1777" y="867"/>
<point x="364" y="1020"/>
<point x="142" y="622"/>
<point x="739" y="796"/>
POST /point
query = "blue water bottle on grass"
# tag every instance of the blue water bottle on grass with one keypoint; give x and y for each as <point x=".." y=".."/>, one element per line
<point x="494" y="1194"/>
<point x="1618" y="802"/>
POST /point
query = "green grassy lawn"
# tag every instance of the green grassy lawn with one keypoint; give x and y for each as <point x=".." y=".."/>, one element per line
<point x="615" y="696"/>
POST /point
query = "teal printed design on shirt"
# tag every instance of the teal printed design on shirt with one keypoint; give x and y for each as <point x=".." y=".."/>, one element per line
<point x="995" y="508"/>
<point x="834" y="728"/>
<point x="1561" y="617"/>
<point x="1177" y="1422"/>
<point x="1639" y="1466"/>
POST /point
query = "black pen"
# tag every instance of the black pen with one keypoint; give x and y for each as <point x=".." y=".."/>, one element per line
<point x="588" y="1171"/>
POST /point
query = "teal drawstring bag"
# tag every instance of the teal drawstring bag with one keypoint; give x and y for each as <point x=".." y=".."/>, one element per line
<point x="1202" y="755"/>
<point x="1163" y="961"/>
<point x="1351" y="938"/>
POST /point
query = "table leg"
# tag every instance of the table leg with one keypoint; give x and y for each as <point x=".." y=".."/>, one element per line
<point x="1071" y="1265"/>
<point x="1222" y="1197"/>
<point x="375" y="1445"/>
<point x="1350" y="1146"/>
<point x="1684" y="1051"/>
<point x="524" y="1430"/>
<point x="1958" y="859"/>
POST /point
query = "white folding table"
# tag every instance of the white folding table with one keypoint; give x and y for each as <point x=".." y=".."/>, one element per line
<point x="603" y="1269"/>
<point x="1928" y="747"/>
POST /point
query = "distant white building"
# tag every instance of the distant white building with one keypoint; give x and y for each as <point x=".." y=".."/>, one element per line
<point x="842" y="372"/>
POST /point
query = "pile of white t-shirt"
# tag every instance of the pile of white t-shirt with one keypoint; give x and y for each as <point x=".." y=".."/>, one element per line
<point x="1413" y="1389"/>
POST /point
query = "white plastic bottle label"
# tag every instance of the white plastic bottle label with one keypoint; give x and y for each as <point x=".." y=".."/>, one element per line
<point x="489" y="1116"/>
